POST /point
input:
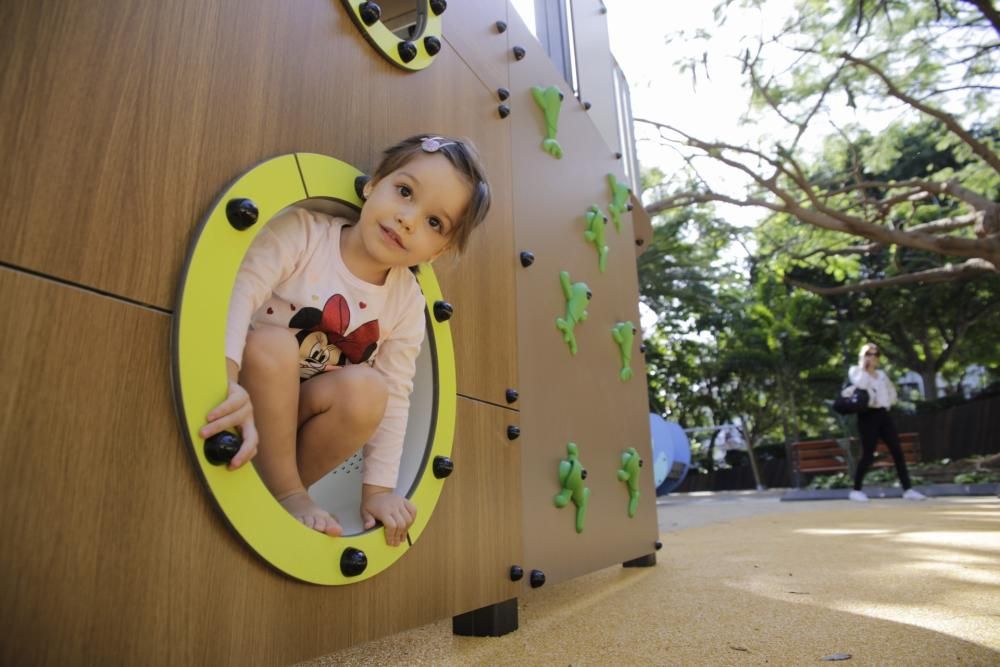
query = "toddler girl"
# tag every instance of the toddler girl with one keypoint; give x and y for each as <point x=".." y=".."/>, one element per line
<point x="325" y="325"/>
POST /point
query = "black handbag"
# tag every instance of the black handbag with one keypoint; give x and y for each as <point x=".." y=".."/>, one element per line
<point x="853" y="404"/>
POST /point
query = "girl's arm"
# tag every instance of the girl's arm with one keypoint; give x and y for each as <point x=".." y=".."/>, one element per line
<point x="396" y="513"/>
<point x="396" y="361"/>
<point x="271" y="258"/>
<point x="859" y="378"/>
<point x="234" y="412"/>
<point x="893" y="396"/>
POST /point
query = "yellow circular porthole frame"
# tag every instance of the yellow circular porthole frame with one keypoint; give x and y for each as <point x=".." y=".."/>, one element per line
<point x="200" y="383"/>
<point x="388" y="44"/>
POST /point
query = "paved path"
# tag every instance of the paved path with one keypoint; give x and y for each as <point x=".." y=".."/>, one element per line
<point x="745" y="579"/>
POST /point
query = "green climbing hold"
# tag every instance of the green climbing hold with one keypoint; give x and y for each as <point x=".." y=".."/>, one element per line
<point x="577" y="297"/>
<point x="571" y="476"/>
<point x="629" y="473"/>
<point x="623" y="333"/>
<point x="619" y="200"/>
<point x="596" y="225"/>
<point x="549" y="100"/>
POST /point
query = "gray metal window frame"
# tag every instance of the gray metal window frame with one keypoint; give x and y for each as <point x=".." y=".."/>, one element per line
<point x="554" y="25"/>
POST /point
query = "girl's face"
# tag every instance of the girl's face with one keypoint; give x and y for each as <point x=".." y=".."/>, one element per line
<point x="872" y="357"/>
<point x="409" y="215"/>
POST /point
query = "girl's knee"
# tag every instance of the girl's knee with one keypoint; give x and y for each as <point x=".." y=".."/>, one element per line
<point x="270" y="348"/>
<point x="365" y="395"/>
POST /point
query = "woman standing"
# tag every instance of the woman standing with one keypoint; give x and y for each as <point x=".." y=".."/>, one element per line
<point x="876" y="423"/>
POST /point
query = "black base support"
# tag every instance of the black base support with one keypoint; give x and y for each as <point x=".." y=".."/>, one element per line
<point x="494" y="620"/>
<point x="649" y="560"/>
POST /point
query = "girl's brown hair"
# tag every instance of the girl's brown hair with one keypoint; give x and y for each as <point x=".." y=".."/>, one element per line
<point x="463" y="156"/>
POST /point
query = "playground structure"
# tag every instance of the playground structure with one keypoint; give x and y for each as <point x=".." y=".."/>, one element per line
<point x="128" y="129"/>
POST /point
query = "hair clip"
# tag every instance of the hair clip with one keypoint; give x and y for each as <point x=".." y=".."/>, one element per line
<point x="434" y="144"/>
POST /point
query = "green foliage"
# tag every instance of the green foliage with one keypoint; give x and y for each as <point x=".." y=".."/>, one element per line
<point x="876" y="477"/>
<point x="838" y="481"/>
<point x="978" y="477"/>
<point x="732" y="342"/>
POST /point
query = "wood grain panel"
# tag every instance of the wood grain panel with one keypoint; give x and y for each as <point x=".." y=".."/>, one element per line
<point x="131" y="118"/>
<point x="113" y="553"/>
<point x="470" y="29"/>
<point x="566" y="398"/>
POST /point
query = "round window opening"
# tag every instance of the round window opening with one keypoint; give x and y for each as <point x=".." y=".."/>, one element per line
<point x="405" y="32"/>
<point x="321" y="183"/>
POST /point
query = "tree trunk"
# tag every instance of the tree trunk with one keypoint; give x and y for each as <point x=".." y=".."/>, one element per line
<point x="753" y="463"/>
<point x="929" y="376"/>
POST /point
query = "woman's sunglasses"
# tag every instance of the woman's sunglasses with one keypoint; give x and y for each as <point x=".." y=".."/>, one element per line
<point x="872" y="354"/>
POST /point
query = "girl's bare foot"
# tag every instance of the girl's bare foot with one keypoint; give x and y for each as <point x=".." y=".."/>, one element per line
<point x="304" y="508"/>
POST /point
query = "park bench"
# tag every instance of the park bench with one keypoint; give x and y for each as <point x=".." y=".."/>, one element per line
<point x="830" y="456"/>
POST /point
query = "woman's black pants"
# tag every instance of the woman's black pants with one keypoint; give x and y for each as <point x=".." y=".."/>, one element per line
<point x="872" y="425"/>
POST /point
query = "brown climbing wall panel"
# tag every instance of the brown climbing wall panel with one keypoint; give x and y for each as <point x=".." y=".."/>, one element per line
<point x="113" y="552"/>
<point x="566" y="398"/>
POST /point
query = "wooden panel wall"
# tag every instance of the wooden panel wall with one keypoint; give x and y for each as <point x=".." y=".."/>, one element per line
<point x="113" y="552"/>
<point x="128" y="120"/>
<point x="566" y="398"/>
<point x="133" y="117"/>
<point x="123" y="122"/>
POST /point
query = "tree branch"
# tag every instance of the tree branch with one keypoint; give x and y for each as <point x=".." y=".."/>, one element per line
<point x="948" y="120"/>
<point x="951" y="272"/>
<point x="986" y="8"/>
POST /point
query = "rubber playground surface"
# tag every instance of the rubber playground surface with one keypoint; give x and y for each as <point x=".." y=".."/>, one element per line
<point x="744" y="579"/>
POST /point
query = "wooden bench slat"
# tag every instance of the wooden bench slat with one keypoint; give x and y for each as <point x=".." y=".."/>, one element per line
<point x="816" y="456"/>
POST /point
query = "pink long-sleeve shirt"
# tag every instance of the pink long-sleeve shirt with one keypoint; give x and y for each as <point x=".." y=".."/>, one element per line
<point x="293" y="276"/>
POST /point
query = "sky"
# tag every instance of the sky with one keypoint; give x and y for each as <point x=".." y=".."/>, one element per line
<point x="638" y="32"/>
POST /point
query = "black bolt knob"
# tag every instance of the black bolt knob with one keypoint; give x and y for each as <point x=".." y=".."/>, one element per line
<point x="642" y="348"/>
<point x="443" y="311"/>
<point x="501" y="26"/>
<point x="519" y="52"/>
<point x="516" y="573"/>
<point x="407" y="51"/>
<point x="537" y="578"/>
<point x="222" y="447"/>
<point x="353" y="562"/>
<point x="242" y="214"/>
<point x="359" y="186"/>
<point x="639" y="242"/>
<point x="618" y="156"/>
<point x="438" y="7"/>
<point x="443" y="466"/>
<point x="527" y="258"/>
<point x="587" y="105"/>
<point x="640" y="463"/>
<point x="503" y="94"/>
<point x="432" y="44"/>
<point x="590" y="295"/>
<point x="513" y="433"/>
<point x="583" y="474"/>
<point x="629" y="207"/>
<point x="511" y="395"/>
<point x="503" y="110"/>
<point x="658" y="545"/>
<point x="370" y="12"/>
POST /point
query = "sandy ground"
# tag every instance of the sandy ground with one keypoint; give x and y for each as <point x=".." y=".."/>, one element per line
<point x="745" y="579"/>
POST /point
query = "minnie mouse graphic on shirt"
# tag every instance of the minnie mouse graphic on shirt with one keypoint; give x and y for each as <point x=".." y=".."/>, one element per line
<point x="323" y="343"/>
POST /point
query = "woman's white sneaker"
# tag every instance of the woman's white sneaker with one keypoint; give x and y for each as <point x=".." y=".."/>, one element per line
<point x="913" y="494"/>
<point x="859" y="496"/>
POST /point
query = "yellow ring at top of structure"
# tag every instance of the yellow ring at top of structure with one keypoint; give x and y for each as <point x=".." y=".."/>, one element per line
<point x="388" y="43"/>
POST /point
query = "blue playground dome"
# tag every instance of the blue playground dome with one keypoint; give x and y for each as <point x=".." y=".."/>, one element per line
<point x="671" y="454"/>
